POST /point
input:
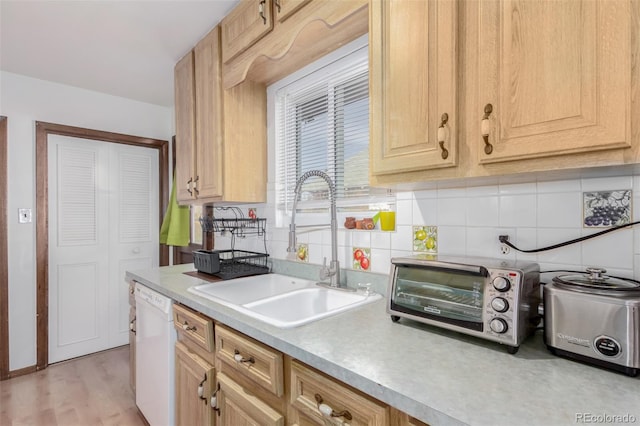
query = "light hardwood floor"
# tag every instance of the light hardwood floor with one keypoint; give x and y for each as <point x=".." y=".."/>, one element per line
<point x="91" y="390"/>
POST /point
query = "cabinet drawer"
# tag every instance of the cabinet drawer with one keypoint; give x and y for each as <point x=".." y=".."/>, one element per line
<point x="194" y="326"/>
<point x="238" y="407"/>
<point x="258" y="362"/>
<point x="310" y="389"/>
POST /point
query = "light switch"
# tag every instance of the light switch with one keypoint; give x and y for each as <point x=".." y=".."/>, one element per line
<point x="24" y="215"/>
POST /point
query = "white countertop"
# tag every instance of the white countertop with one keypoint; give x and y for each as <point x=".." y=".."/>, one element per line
<point x="437" y="376"/>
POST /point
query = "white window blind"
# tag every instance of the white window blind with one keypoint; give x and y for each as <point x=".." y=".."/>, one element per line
<point x="322" y="123"/>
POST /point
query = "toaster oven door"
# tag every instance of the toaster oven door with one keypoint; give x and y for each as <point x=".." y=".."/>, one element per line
<point x="445" y="295"/>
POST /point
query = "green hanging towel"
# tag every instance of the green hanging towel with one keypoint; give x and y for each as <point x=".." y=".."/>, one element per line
<point x="175" y="226"/>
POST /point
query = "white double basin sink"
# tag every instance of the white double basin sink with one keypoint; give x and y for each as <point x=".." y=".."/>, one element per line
<point x="281" y="300"/>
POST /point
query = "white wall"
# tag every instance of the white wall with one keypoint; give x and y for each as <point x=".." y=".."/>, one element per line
<point x="24" y="101"/>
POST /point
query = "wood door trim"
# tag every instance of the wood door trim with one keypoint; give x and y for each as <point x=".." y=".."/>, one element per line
<point x="43" y="130"/>
<point x="4" y="255"/>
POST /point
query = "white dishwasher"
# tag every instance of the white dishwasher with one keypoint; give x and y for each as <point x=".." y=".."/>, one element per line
<point x="155" y="368"/>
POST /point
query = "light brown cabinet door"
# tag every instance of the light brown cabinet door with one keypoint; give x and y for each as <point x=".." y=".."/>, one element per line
<point x="240" y="408"/>
<point x="557" y="75"/>
<point x="209" y="124"/>
<point x="191" y="373"/>
<point x="412" y="57"/>
<point x="285" y="8"/>
<point x="247" y="23"/>
<point x="184" y="85"/>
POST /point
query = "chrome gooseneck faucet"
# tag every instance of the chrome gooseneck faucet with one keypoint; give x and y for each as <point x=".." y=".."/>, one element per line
<point x="333" y="271"/>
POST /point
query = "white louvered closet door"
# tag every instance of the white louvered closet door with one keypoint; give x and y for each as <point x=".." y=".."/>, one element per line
<point x="103" y="220"/>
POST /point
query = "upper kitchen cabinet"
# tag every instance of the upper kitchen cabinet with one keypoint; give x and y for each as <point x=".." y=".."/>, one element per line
<point x="264" y="41"/>
<point x="247" y="23"/>
<point x="554" y="77"/>
<point x="185" y="104"/>
<point x="220" y="135"/>
<point x="251" y="20"/>
<point x="413" y="89"/>
<point x="286" y="8"/>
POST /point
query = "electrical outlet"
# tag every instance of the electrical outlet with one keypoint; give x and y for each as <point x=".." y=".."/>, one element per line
<point x="24" y="215"/>
<point x="504" y="249"/>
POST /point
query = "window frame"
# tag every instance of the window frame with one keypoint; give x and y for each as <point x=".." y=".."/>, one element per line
<point x="376" y="200"/>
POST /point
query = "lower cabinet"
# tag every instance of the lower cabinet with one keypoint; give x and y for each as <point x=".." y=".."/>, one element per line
<point x="225" y="378"/>
<point x="195" y="385"/>
<point x="195" y="374"/>
<point x="251" y="380"/>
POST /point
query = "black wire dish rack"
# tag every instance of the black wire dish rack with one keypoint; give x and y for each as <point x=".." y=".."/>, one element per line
<point x="228" y="264"/>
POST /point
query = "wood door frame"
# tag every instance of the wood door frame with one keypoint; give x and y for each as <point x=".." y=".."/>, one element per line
<point x="43" y="130"/>
<point x="4" y="255"/>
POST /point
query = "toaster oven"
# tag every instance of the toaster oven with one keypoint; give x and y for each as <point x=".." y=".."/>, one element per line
<point x="491" y="299"/>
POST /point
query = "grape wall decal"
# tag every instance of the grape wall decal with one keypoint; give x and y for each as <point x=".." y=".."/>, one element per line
<point x="602" y="209"/>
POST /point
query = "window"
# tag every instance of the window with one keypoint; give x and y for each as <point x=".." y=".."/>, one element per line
<point x="322" y="123"/>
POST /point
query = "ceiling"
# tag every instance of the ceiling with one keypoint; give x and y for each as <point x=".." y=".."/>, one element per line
<point x="122" y="48"/>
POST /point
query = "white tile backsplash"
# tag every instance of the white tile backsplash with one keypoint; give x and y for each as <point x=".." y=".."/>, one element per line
<point x="451" y="211"/>
<point x="404" y="212"/>
<point x="452" y="240"/>
<point x="469" y="220"/>
<point x="518" y="210"/>
<point x="560" y="210"/>
<point x="607" y="183"/>
<point x="517" y="188"/>
<point x="483" y="211"/>
<point x="425" y="211"/>
<point x="571" y="255"/>
<point x="559" y="186"/>
<point x="613" y="250"/>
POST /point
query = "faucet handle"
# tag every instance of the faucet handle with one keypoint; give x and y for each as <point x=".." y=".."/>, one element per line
<point x="366" y="288"/>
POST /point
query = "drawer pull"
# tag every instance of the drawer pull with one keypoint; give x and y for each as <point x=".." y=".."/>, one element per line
<point x="488" y="109"/>
<point x="213" y="402"/>
<point x="442" y="135"/>
<point x="187" y="327"/>
<point x="201" y="388"/>
<point x="326" y="410"/>
<point x="239" y="358"/>
<point x="132" y="325"/>
<point x="189" y="186"/>
<point x="261" y="11"/>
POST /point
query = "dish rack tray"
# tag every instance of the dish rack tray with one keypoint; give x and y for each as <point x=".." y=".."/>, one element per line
<point x="233" y="263"/>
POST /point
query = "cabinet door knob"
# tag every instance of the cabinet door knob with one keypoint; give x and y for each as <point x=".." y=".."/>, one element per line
<point x="261" y="11"/>
<point x="239" y="358"/>
<point x="189" y="186"/>
<point x="488" y="109"/>
<point x="201" y="388"/>
<point x="442" y="135"/>
<point x="277" y="3"/>
<point x="187" y="327"/>
<point x="326" y="410"/>
<point x="195" y="185"/>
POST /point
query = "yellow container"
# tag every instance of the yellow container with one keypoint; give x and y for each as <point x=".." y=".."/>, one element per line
<point x="388" y="221"/>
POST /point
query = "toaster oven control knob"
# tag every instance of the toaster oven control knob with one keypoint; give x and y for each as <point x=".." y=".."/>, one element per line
<point x="500" y="305"/>
<point x="498" y="325"/>
<point x="501" y="284"/>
